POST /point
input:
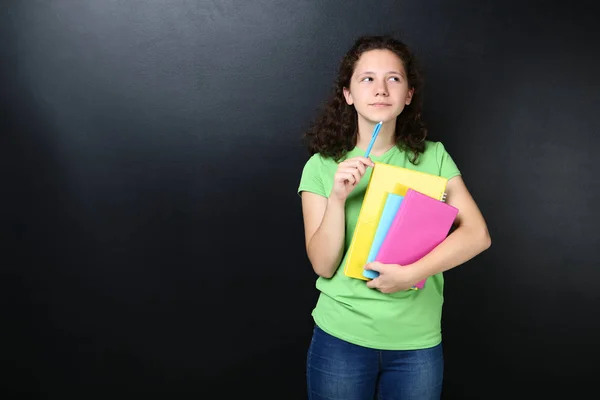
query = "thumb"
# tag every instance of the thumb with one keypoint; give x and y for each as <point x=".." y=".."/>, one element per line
<point x="374" y="266"/>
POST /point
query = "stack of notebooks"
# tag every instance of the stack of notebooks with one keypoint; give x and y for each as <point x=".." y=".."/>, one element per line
<point x="403" y="217"/>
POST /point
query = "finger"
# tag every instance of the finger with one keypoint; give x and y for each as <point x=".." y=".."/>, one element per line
<point x="361" y="168"/>
<point x="352" y="171"/>
<point x="372" y="284"/>
<point x="365" y="161"/>
<point x="359" y="163"/>
<point x="373" y="266"/>
<point x="348" y="169"/>
<point x="343" y="173"/>
<point x="356" y="175"/>
<point x="347" y="177"/>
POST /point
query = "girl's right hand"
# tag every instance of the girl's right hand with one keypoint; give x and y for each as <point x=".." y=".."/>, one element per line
<point x="347" y="176"/>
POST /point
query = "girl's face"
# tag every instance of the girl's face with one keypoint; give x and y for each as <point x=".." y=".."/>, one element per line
<point x="378" y="88"/>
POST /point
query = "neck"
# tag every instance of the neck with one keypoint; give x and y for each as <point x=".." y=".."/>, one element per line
<point x="385" y="138"/>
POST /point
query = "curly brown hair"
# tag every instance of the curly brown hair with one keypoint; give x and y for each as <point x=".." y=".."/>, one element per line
<point x="334" y="131"/>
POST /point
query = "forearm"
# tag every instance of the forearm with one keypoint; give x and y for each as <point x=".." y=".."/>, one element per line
<point x="326" y="247"/>
<point x="459" y="247"/>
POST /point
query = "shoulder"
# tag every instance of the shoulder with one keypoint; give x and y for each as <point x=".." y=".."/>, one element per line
<point x="319" y="162"/>
<point x="434" y="147"/>
<point x="437" y="152"/>
<point x="316" y="174"/>
<point x="434" y="159"/>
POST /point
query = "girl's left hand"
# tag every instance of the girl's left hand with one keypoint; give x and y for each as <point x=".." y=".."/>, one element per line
<point x="392" y="277"/>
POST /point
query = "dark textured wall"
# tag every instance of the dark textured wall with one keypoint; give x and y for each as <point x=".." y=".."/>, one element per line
<point x="151" y="153"/>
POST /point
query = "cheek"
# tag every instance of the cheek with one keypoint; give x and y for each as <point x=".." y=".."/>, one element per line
<point x="403" y="93"/>
<point x="360" y="92"/>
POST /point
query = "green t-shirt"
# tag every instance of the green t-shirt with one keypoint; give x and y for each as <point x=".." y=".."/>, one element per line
<point x="347" y="308"/>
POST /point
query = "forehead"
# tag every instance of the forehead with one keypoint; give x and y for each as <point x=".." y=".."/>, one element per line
<point x="379" y="61"/>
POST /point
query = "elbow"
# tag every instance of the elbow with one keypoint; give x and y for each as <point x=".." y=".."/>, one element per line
<point x="485" y="239"/>
<point x="478" y="238"/>
<point x="325" y="275"/>
<point x="323" y="271"/>
<point x="322" y="266"/>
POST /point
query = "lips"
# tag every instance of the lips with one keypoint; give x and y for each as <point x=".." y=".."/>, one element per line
<point x="380" y="104"/>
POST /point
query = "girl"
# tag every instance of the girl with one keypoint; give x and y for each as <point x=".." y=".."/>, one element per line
<point x="377" y="339"/>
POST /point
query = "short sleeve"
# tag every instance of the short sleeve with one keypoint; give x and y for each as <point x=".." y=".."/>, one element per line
<point x="311" y="179"/>
<point x="448" y="168"/>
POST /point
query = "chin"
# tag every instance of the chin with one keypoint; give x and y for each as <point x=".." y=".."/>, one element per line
<point x="385" y="117"/>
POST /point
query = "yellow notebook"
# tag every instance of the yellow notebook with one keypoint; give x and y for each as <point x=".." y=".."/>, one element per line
<point x="385" y="179"/>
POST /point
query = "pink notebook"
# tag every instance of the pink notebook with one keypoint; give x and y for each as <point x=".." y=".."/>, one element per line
<point x="420" y="224"/>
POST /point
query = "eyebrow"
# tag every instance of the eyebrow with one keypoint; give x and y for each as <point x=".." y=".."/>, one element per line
<point x="389" y="72"/>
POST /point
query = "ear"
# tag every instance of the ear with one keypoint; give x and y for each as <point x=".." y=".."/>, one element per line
<point x="409" y="96"/>
<point x="348" y="96"/>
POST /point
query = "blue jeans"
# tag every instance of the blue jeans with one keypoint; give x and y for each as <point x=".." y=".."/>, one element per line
<point x="340" y="370"/>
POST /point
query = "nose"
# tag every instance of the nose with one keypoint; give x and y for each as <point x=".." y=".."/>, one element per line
<point x="382" y="88"/>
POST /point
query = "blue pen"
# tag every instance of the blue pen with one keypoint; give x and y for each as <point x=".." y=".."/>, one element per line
<point x="375" y="133"/>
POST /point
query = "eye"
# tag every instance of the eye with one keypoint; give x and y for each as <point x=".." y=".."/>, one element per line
<point x="366" y="79"/>
<point x="395" y="78"/>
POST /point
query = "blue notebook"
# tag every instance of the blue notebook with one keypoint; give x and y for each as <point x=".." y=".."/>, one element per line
<point x="392" y="204"/>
